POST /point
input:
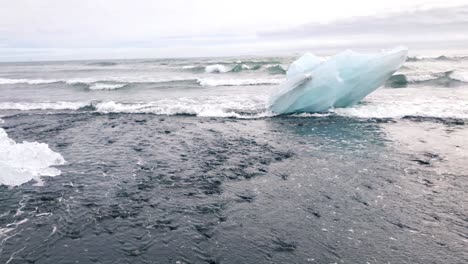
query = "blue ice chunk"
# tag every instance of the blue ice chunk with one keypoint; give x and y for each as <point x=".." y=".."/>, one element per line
<point x="305" y="63"/>
<point x="314" y="84"/>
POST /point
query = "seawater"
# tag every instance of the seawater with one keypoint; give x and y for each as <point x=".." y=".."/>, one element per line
<point x="178" y="161"/>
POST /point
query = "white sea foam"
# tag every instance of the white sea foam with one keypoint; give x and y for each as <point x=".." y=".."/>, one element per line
<point x="237" y="82"/>
<point x="396" y="103"/>
<point x="421" y="77"/>
<point x="312" y="114"/>
<point x="416" y="77"/>
<point x="250" y="103"/>
<point x="27" y="81"/>
<point x="461" y="76"/>
<point x="112" y="83"/>
<point x="22" y="162"/>
<point x="216" y="68"/>
<point x="188" y="67"/>
<point x="120" y="82"/>
<point x="384" y="103"/>
<point x="25" y="106"/>
<point x="96" y="81"/>
<point x="125" y="80"/>
<point x="106" y="86"/>
<point x="208" y="106"/>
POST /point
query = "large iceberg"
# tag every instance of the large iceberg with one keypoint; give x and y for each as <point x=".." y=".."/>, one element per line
<point x="316" y="84"/>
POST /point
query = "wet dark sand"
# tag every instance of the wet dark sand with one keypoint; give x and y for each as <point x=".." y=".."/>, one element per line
<point x="182" y="189"/>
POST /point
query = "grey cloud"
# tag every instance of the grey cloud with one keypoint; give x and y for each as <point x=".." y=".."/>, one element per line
<point x="423" y="22"/>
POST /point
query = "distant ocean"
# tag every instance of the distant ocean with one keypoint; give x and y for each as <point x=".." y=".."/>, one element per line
<point x="179" y="161"/>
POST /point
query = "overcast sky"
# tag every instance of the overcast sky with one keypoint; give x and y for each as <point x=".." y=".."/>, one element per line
<point x="83" y="29"/>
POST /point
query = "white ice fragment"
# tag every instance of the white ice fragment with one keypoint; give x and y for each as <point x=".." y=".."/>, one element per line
<point x="316" y="85"/>
<point x="22" y="162"/>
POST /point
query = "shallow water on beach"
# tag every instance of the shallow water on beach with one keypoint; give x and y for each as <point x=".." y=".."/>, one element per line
<point x="179" y="189"/>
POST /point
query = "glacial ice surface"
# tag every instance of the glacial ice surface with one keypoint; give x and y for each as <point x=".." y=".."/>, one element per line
<point x="22" y="162"/>
<point x="316" y="84"/>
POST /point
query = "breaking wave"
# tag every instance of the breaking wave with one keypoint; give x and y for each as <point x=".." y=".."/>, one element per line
<point x="118" y="83"/>
<point x="25" y="106"/>
<point x="27" y="81"/>
<point x="437" y="58"/>
<point x="22" y="162"/>
<point x="447" y="78"/>
<point x="193" y="68"/>
<point x="106" y="86"/>
<point x="276" y="69"/>
<point x="237" y="82"/>
<point x="233" y="68"/>
<point x="459" y="76"/>
<point x="210" y="107"/>
<point x="216" y="68"/>
<point x="402" y="109"/>
<point x="215" y="106"/>
<point x="397" y="80"/>
<point x="389" y="103"/>
<point x="385" y="103"/>
<point x="241" y="67"/>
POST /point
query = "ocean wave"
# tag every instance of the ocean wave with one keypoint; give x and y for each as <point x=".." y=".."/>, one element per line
<point x="390" y="103"/>
<point x="221" y="68"/>
<point x="103" y="63"/>
<point x="60" y="105"/>
<point x="193" y="68"/>
<point x="94" y="80"/>
<point x="434" y="104"/>
<point x="212" y="82"/>
<point x="237" y="82"/>
<point x="22" y="162"/>
<point x="174" y="108"/>
<point x="436" y="58"/>
<point x="188" y="67"/>
<point x="399" y="110"/>
<point x="216" y="106"/>
<point x="259" y="62"/>
<point x="216" y="68"/>
<point x="276" y="69"/>
<point x="439" y="78"/>
<point x="27" y="81"/>
<point x="114" y="83"/>
<point x="240" y="67"/>
<point x="106" y="86"/>
<point x="235" y="68"/>
<point x="326" y="114"/>
<point x="209" y="107"/>
<point x="461" y="76"/>
<point x="125" y="80"/>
